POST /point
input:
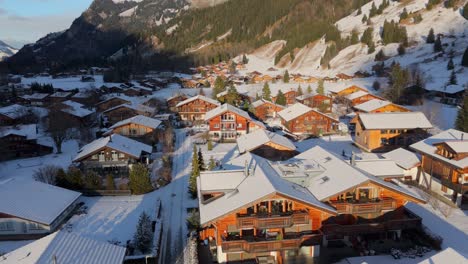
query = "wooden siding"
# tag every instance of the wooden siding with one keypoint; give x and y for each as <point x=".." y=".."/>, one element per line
<point x="312" y="123"/>
<point x="195" y="110"/>
<point x="267" y="110"/>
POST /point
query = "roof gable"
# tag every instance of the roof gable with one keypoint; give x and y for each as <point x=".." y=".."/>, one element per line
<point x="394" y="120"/>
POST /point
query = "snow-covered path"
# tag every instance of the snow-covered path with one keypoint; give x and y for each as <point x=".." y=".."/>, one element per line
<point x="174" y="211"/>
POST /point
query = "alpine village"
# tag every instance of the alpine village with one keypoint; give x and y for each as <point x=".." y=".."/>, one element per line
<point x="234" y="131"/>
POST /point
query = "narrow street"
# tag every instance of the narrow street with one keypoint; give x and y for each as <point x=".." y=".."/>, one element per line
<point x="174" y="212"/>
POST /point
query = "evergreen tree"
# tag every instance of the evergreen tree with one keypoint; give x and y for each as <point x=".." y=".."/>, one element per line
<point x="309" y="89"/>
<point x="364" y="19"/>
<point x="61" y="179"/>
<point x="453" y="78"/>
<point x="286" y="77"/>
<point x="232" y="96"/>
<point x="430" y="37"/>
<point x="438" y="45"/>
<point x="376" y="85"/>
<point x="465" y="11"/>
<point x="233" y="67"/>
<point x="373" y="10"/>
<point x="404" y="14"/>
<point x="210" y="144"/>
<point x="139" y="179"/>
<point x="211" y="164"/>
<point x="92" y="181"/>
<point x="75" y="179"/>
<point x="464" y="61"/>
<point x="144" y="233"/>
<point x="354" y="37"/>
<point x="244" y="59"/>
<point x="280" y="98"/>
<point x="195" y="173"/>
<point x="417" y="18"/>
<point x="371" y="48"/>
<point x="450" y="65"/>
<point x="257" y="97"/>
<point x="461" y="123"/>
<point x="380" y="56"/>
<point x="219" y="86"/>
<point x="366" y="37"/>
<point x="201" y="162"/>
<point x="110" y="184"/>
<point x="299" y="91"/>
<point x="399" y="79"/>
<point x="320" y="87"/>
<point x="266" y="92"/>
<point x="359" y="12"/>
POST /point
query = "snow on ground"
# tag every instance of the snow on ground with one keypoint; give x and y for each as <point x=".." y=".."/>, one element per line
<point x="68" y="83"/>
<point x="442" y="116"/>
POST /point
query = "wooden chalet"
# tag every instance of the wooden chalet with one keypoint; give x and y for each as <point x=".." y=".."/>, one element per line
<point x="299" y="119"/>
<point x="242" y="98"/>
<point x="21" y="142"/>
<point x="174" y="100"/>
<point x="113" y="155"/>
<point x="267" y="144"/>
<point x="445" y="165"/>
<point x="304" y="202"/>
<point x="290" y="97"/>
<point x="133" y="91"/>
<point x="319" y="101"/>
<point x="377" y="132"/>
<point x="336" y="92"/>
<point x="376" y="106"/>
<point x="360" y="97"/>
<point x="13" y="114"/>
<point x="35" y="99"/>
<point x="264" y="109"/>
<point x="77" y="113"/>
<point x="125" y="111"/>
<point x="86" y="98"/>
<point x="193" y="110"/>
<point x="227" y="123"/>
<point x="59" y="97"/>
<point x="138" y="127"/>
<point x="110" y="103"/>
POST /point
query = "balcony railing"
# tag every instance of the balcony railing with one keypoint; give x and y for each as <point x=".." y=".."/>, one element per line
<point x="356" y="207"/>
<point x="458" y="187"/>
<point x="272" y="221"/>
<point x="408" y="221"/>
<point x="294" y="241"/>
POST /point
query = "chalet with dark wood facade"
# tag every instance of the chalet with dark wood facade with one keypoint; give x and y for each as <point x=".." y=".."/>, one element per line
<point x="299" y="119"/>
<point x="193" y="110"/>
<point x="227" y="123"/>
<point x="139" y="127"/>
<point x="379" y="132"/>
<point x="59" y="97"/>
<point x="304" y="202"/>
<point x="341" y="92"/>
<point x="445" y="165"/>
<point x="21" y="142"/>
<point x="290" y="97"/>
<point x="319" y="101"/>
<point x="35" y="99"/>
<point x="266" y="144"/>
<point x="360" y="97"/>
<point x="377" y="106"/>
<point x="12" y="114"/>
<point x="113" y="155"/>
<point x="174" y="100"/>
<point x="110" y="103"/>
<point x="126" y="111"/>
<point x="264" y="109"/>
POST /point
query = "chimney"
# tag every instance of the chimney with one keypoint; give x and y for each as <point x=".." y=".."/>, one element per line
<point x="110" y="138"/>
<point x="353" y="159"/>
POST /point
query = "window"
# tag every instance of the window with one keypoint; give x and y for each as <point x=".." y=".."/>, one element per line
<point x="121" y="155"/>
<point x="6" y="226"/>
<point x="216" y="126"/>
<point x="383" y="131"/>
<point x="95" y="157"/>
<point x="239" y="125"/>
<point x="34" y="226"/>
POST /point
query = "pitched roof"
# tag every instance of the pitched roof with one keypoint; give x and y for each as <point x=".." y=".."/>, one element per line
<point x="14" y="111"/>
<point x="298" y="109"/>
<point x="76" y="109"/>
<point x="403" y="158"/>
<point x="427" y="147"/>
<point x="60" y="94"/>
<point x="139" y="108"/>
<point x="372" y="105"/>
<point x="380" y="167"/>
<point x="230" y="108"/>
<point x="263" y="101"/>
<point x="29" y="131"/>
<point x="251" y="141"/>
<point x="113" y="98"/>
<point x="395" y="120"/>
<point x="117" y="142"/>
<point x="330" y="175"/>
<point x="356" y="95"/>
<point x="201" y="97"/>
<point x="37" y="96"/>
<point x="259" y="172"/>
<point x="139" y="120"/>
<point x="66" y="247"/>
<point x="34" y="201"/>
<point x="459" y="146"/>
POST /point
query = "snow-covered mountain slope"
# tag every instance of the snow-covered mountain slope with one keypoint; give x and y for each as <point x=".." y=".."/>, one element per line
<point x="448" y="22"/>
<point x="6" y="50"/>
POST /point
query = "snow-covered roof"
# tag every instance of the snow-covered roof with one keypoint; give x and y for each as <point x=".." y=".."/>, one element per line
<point x="201" y="97"/>
<point x="29" y="131"/>
<point x="66" y="247"/>
<point x="403" y="158"/>
<point x="298" y="109"/>
<point x="263" y="101"/>
<point x="449" y="89"/>
<point x="82" y="95"/>
<point x="113" y="98"/>
<point x="459" y="146"/>
<point x="34" y="201"/>
<point x="75" y="109"/>
<point x="221" y="181"/>
<point x="427" y="147"/>
<point x="294" y="111"/>
<point x="259" y="172"/>
<point x="380" y="167"/>
<point x="117" y="142"/>
<point x="306" y="96"/>
<point x="14" y="111"/>
<point x="36" y="96"/>
<point x="356" y="95"/>
<point x="139" y="120"/>
<point x="176" y="95"/>
<point x="372" y="105"/>
<point x="251" y="141"/>
<point x="330" y="175"/>
<point x="60" y="94"/>
<point x="139" y="108"/>
<point x="395" y="120"/>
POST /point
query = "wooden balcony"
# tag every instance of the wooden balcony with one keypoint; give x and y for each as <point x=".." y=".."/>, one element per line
<point x="384" y="223"/>
<point x="291" y="241"/>
<point x="272" y="221"/>
<point x="375" y="206"/>
<point x="458" y="187"/>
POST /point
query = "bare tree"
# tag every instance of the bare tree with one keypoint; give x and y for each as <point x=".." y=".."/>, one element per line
<point x="59" y="127"/>
<point x="47" y="174"/>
